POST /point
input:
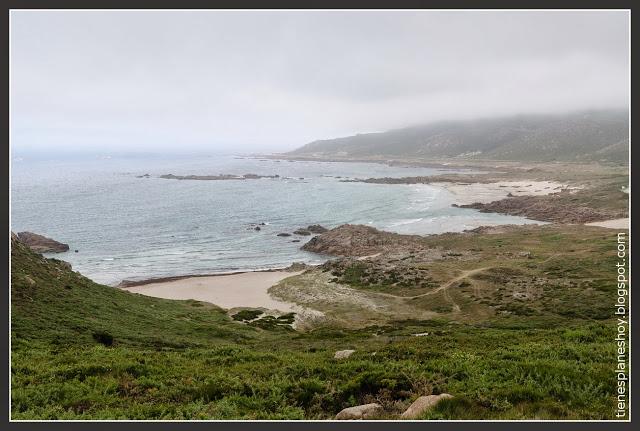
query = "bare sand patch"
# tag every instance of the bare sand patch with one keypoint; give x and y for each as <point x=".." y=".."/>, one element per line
<point x="469" y="193"/>
<point x="249" y="289"/>
<point x="620" y="223"/>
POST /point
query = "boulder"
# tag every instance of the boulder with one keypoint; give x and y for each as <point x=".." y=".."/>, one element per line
<point x="342" y="354"/>
<point x="364" y="411"/>
<point x="423" y="404"/>
<point x="302" y="232"/>
<point x="284" y="234"/>
<point x="41" y="244"/>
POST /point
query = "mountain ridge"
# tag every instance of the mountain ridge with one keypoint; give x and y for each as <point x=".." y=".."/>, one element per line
<point x="583" y="136"/>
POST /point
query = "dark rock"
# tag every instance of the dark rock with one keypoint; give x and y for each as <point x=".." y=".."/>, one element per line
<point x="41" y="244"/>
<point x="303" y="232"/>
<point x="283" y="234"/>
<point x="316" y="228"/>
<point x="256" y="228"/>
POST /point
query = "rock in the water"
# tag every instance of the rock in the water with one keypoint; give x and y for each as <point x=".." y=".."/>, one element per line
<point x="302" y="232"/>
<point x="295" y="240"/>
<point x="284" y="234"/>
<point x="423" y="404"/>
<point x="316" y="228"/>
<point x="41" y="244"/>
<point x="256" y="228"/>
<point x="342" y="354"/>
<point x="360" y="412"/>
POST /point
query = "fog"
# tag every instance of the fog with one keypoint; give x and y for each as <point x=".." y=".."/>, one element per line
<point x="233" y="81"/>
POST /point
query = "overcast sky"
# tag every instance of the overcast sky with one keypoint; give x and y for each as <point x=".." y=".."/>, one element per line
<point x="231" y="81"/>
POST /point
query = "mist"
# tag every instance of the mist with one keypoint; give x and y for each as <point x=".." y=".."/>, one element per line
<point x="262" y="81"/>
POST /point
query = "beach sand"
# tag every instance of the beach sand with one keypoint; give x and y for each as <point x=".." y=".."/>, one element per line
<point x="248" y="289"/>
<point x="468" y="193"/>
<point x="620" y="223"/>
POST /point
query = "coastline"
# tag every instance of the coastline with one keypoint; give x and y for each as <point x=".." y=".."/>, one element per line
<point x="125" y="284"/>
<point x="228" y="291"/>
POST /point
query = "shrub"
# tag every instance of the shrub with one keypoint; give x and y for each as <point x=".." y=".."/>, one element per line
<point x="103" y="337"/>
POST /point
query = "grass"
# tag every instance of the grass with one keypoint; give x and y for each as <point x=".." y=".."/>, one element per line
<point x="81" y="350"/>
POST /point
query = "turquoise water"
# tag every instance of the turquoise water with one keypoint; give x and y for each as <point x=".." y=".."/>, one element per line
<point x="134" y="228"/>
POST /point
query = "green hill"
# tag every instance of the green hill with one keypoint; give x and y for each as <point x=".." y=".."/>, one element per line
<point x="81" y="350"/>
<point x="579" y="137"/>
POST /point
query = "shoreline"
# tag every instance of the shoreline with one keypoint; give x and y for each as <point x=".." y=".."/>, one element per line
<point x="227" y="291"/>
<point x="125" y="284"/>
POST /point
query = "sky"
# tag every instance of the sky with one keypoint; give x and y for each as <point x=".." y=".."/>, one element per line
<point x="269" y="81"/>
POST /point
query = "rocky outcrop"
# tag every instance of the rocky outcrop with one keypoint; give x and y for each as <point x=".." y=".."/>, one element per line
<point x="422" y="405"/>
<point x="41" y="244"/>
<point x="364" y="411"/>
<point x="360" y="240"/>
<point x="552" y="208"/>
<point x="343" y="354"/>
<point x="297" y="266"/>
<point x="316" y="228"/>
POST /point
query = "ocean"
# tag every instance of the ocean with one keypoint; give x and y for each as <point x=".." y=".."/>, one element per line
<point x="132" y="228"/>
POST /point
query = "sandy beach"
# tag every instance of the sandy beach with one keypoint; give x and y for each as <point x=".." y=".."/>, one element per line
<point x="247" y="289"/>
<point x="469" y="193"/>
<point x="620" y="223"/>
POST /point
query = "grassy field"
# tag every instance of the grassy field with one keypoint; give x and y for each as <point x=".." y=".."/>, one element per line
<point x="85" y="351"/>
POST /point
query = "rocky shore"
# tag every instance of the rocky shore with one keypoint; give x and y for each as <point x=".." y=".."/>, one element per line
<point x="40" y="243"/>
<point x="555" y="208"/>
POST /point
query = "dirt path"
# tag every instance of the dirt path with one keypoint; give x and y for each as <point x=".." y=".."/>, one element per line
<point x="441" y="288"/>
<point x="451" y="282"/>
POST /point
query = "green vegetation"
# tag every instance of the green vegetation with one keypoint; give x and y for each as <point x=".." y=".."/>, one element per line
<point x="86" y="351"/>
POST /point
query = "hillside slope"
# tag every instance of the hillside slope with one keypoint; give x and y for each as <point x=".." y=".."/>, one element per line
<point x="52" y="304"/>
<point x="584" y="136"/>
<point x="81" y="350"/>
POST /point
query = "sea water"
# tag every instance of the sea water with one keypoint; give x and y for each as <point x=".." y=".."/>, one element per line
<point x="125" y="227"/>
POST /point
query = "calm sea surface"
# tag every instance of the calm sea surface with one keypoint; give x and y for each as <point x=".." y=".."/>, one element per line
<point x="134" y="228"/>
